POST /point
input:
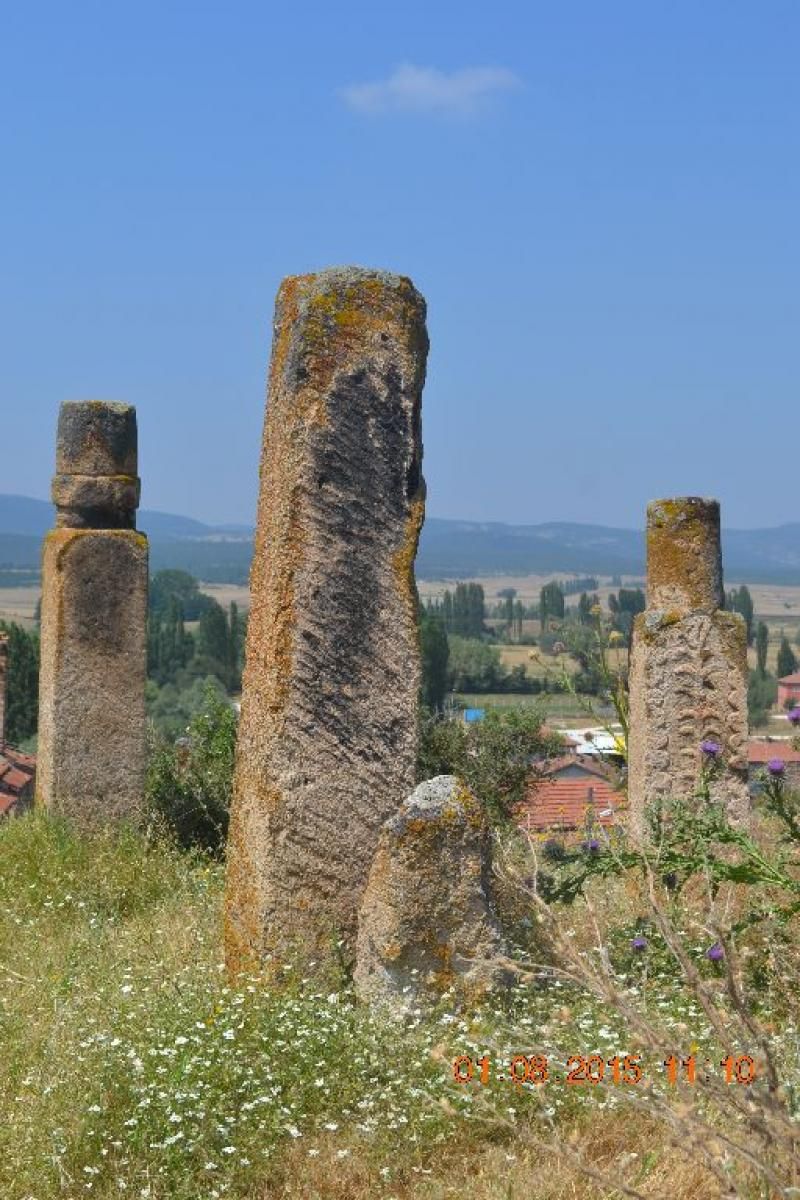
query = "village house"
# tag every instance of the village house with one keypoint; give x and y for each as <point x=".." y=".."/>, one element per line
<point x="571" y="794"/>
<point x="578" y="790"/>
<point x="17" y="770"/>
<point x="789" y="690"/>
<point x="760" y="751"/>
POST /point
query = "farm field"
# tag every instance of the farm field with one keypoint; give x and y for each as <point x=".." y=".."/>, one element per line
<point x="777" y="605"/>
<point x="18" y="604"/>
<point x="564" y="710"/>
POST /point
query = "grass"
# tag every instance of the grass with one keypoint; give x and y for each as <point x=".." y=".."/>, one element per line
<point x="132" y="1068"/>
<point x="562" y="708"/>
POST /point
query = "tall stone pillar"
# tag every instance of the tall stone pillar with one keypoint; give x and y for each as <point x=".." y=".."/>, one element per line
<point x="328" y="732"/>
<point x="91" y="749"/>
<point x="688" y="673"/>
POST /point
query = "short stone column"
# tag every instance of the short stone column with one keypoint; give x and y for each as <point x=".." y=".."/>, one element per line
<point x="426" y="925"/>
<point x="328" y="731"/>
<point x="688" y="671"/>
<point x="92" y="737"/>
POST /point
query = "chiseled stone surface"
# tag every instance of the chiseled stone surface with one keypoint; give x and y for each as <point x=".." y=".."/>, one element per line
<point x="95" y="484"/>
<point x="92" y="743"/>
<point x="684" y="555"/>
<point x="426" y="924"/>
<point x="688" y="673"/>
<point x="328" y="730"/>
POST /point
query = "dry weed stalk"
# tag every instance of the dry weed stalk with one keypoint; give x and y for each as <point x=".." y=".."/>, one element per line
<point x="746" y="1137"/>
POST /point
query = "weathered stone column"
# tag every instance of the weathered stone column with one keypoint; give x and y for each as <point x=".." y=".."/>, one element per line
<point x="426" y="923"/>
<point x="91" y="749"/>
<point x="688" y="674"/>
<point x="328" y="731"/>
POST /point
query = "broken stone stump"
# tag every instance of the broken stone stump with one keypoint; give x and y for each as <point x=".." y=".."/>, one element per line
<point x="426" y="923"/>
<point x="688" y="672"/>
<point x="92" y="735"/>
<point x="328" y="731"/>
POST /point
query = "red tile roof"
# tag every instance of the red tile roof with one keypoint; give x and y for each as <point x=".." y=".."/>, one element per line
<point x="566" y="804"/>
<point x="591" y="766"/>
<point x="790" y="678"/>
<point x="762" y="751"/>
<point x="17" y="771"/>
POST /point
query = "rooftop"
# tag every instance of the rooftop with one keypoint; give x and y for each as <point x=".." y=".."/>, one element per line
<point x="570" y="804"/>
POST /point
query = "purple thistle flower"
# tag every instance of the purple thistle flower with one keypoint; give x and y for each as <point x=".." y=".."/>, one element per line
<point x="711" y="749"/>
<point x="776" y="767"/>
<point x="715" y="952"/>
<point x="639" y="943"/>
<point x="793" y="715"/>
<point x="592" y="846"/>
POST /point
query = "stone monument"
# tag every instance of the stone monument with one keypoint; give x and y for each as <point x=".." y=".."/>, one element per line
<point x="688" y="672"/>
<point x="328" y="731"/>
<point x="92" y="744"/>
<point x="426" y="924"/>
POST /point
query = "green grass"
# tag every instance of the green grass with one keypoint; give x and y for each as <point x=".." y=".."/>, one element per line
<point x="562" y="706"/>
<point x="132" y="1068"/>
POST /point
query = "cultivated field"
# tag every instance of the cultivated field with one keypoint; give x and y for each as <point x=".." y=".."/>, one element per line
<point x="19" y="604"/>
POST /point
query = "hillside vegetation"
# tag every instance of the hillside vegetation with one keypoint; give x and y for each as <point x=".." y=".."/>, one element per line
<point x="130" y="1067"/>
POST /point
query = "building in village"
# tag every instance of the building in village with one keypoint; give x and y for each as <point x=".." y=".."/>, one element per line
<point x="579" y="790"/>
<point x="789" y="690"/>
<point x="572" y="795"/>
<point x="762" y="750"/>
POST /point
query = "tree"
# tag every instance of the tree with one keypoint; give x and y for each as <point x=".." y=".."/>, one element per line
<point x="762" y="643"/>
<point x="181" y="586"/>
<point x="519" y="617"/>
<point x="462" y="611"/>
<point x="787" y="663"/>
<point x="435" y="653"/>
<point x="22" y="683"/>
<point x="474" y="666"/>
<point x="761" y="693"/>
<point x="740" y="600"/>
<point x="169" y="646"/>
<point x="189" y="784"/>
<point x="507" y="596"/>
<point x="631" y="600"/>
<point x="496" y="757"/>
<point x="237" y="631"/>
<point x="551" y="603"/>
<point x="585" y="609"/>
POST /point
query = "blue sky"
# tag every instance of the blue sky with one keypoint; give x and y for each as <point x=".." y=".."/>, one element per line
<point x="599" y="201"/>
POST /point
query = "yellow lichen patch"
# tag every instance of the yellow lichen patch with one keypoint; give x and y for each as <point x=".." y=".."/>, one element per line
<point x="471" y="808"/>
<point x="683" y="552"/>
<point x="286" y="311"/>
<point x="339" y="321"/>
<point x="403" y="559"/>
<point x="392" y="951"/>
<point x="243" y="927"/>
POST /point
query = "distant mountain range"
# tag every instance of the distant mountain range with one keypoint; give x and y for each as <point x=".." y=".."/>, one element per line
<point x="448" y="549"/>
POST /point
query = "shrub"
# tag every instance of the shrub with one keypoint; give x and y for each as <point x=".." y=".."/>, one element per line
<point x="189" y="782"/>
<point x="496" y="756"/>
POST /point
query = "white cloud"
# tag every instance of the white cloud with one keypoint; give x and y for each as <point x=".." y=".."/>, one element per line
<point x="411" y="89"/>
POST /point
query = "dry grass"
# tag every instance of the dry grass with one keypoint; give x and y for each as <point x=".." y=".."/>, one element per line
<point x="624" y="1149"/>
